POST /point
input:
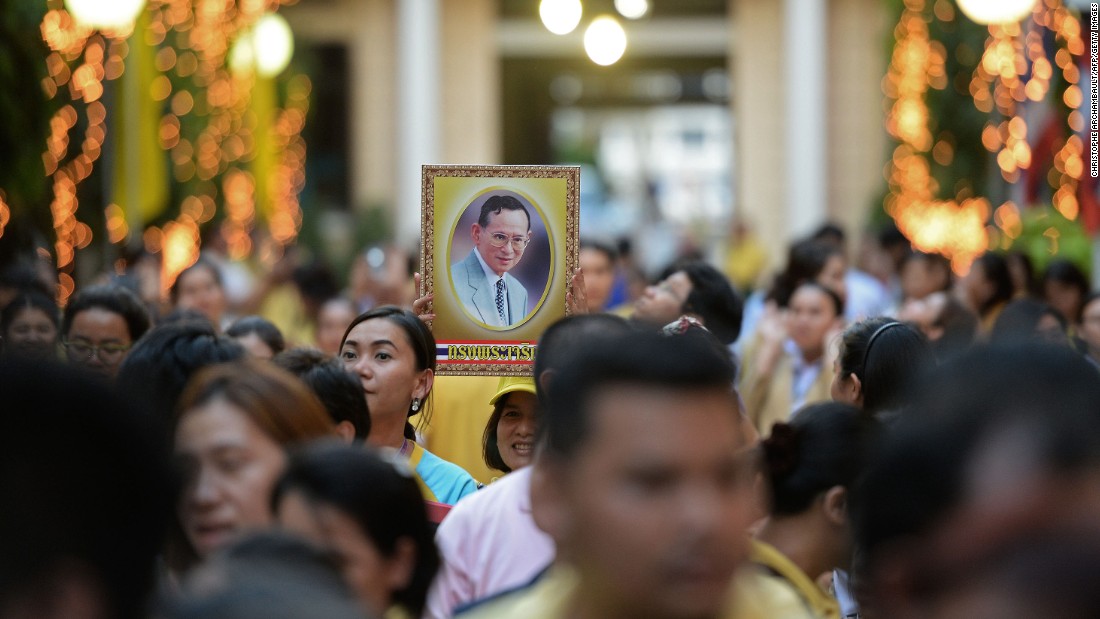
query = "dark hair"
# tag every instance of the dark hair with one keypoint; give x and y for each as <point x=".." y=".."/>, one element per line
<point x="377" y="491"/>
<point x="601" y="247"/>
<point x="1066" y="272"/>
<point x="24" y="278"/>
<point x="571" y="336"/>
<point x="337" y="388"/>
<point x="644" y="359"/>
<point x="185" y="314"/>
<point x="495" y="204"/>
<point x="262" y="327"/>
<point x="421" y="341"/>
<point x="29" y="299"/>
<point x="1025" y="263"/>
<point x="831" y="233"/>
<point x="159" y="365"/>
<point x="1044" y="394"/>
<point x="201" y="263"/>
<point x="834" y="298"/>
<point x="887" y="356"/>
<point x="995" y="269"/>
<point x="960" y="327"/>
<point x="115" y="299"/>
<point x="1020" y="320"/>
<point x="86" y="482"/>
<point x="712" y="298"/>
<point x="805" y="261"/>
<point x="269" y="574"/>
<point x="316" y="282"/>
<point x="823" y="446"/>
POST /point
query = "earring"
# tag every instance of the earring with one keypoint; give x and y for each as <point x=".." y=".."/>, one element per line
<point x="416" y="404"/>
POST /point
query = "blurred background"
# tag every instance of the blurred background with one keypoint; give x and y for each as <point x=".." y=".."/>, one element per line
<point x="141" y="132"/>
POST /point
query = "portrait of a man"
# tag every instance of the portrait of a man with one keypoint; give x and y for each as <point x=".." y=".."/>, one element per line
<point x="482" y="280"/>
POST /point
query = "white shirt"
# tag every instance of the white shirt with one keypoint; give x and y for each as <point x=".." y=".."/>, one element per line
<point x="803" y="375"/>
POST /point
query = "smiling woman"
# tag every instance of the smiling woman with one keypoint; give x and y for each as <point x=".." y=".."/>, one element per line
<point x="509" y="440"/>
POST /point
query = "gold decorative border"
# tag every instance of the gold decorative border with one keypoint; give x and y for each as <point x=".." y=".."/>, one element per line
<point x="572" y="177"/>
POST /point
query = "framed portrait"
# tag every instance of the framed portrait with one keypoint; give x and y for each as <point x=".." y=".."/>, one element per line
<point x="500" y="243"/>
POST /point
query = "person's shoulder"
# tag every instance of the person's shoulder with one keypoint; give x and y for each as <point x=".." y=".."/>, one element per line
<point x="546" y="597"/>
<point x="448" y="481"/>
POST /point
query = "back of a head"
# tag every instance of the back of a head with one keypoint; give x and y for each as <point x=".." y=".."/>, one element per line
<point x="159" y="366"/>
<point x="995" y="268"/>
<point x="570" y="336"/>
<point x="888" y="357"/>
<point x="1046" y="394"/>
<point x="646" y="360"/>
<point x="825" y="445"/>
<point x="1020" y="321"/>
<point x="113" y="298"/>
<point x="87" y="490"/>
<point x="376" y="491"/>
<point x="339" y="391"/>
<point x="268" y="575"/>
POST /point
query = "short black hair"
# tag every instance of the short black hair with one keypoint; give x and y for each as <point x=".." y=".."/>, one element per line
<point x="86" y="481"/>
<point x="824" y="445"/>
<point x="158" y="367"/>
<point x="571" y="336"/>
<point x="337" y="388"/>
<point x="376" y="491"/>
<point x="1019" y="320"/>
<point x="495" y="204"/>
<point x="690" y="361"/>
<point x="23" y="277"/>
<point x="115" y="299"/>
<point x="262" y="327"/>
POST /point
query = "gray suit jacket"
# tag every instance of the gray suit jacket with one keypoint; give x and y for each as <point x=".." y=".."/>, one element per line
<point x="479" y="297"/>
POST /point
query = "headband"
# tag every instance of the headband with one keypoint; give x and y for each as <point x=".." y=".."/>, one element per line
<point x="871" y="341"/>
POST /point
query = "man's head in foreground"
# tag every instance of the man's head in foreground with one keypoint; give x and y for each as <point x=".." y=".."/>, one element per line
<point x="642" y="488"/>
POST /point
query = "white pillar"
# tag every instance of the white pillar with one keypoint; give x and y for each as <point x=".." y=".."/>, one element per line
<point x="805" y="68"/>
<point x="418" y="108"/>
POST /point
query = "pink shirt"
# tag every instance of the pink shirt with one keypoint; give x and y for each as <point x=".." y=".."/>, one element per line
<point x="488" y="543"/>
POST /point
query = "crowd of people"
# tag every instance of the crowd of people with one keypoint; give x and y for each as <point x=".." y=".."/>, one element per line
<point x="874" y="438"/>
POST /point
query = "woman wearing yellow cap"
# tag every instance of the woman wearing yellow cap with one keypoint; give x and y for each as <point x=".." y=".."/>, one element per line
<point x="509" y="440"/>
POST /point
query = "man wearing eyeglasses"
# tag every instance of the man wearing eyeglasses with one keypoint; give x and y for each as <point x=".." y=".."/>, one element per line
<point x="481" y="280"/>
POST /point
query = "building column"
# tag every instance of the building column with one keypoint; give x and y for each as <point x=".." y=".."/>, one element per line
<point x="418" y="110"/>
<point x="805" y="68"/>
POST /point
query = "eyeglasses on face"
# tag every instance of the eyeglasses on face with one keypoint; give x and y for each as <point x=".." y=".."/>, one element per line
<point x="108" y="353"/>
<point x="519" y="243"/>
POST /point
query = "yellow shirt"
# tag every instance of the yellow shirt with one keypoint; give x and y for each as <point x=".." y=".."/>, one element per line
<point x="782" y="572"/>
<point x="550" y="597"/>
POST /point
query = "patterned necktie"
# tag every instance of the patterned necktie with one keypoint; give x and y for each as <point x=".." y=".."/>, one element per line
<point x="500" y="301"/>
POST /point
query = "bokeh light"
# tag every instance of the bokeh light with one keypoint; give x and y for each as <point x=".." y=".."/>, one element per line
<point x="560" y="16"/>
<point x="605" y="40"/>
<point x="996" y="11"/>
<point x="632" y="9"/>
<point x="105" y="14"/>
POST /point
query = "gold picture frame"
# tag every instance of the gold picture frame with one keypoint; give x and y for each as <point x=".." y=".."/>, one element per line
<point x="479" y="330"/>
